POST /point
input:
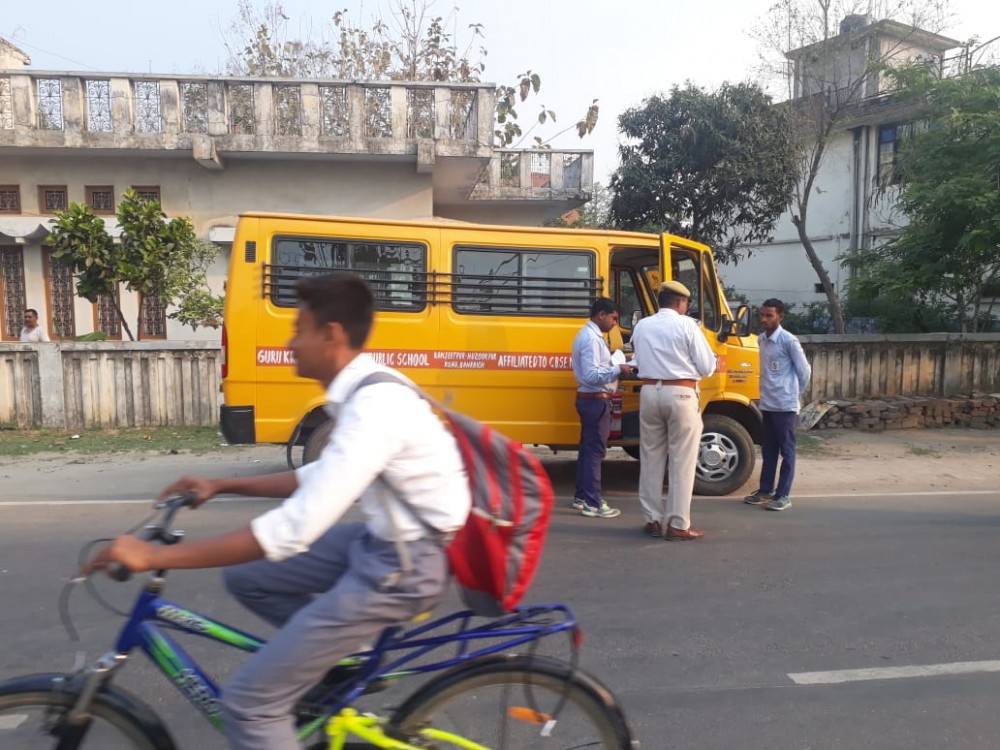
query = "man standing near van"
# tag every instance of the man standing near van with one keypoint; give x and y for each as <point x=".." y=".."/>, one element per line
<point x="672" y="355"/>
<point x="784" y="375"/>
<point x="596" y="376"/>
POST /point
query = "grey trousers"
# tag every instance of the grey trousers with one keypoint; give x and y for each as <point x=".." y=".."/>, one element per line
<point x="669" y="425"/>
<point x="328" y="603"/>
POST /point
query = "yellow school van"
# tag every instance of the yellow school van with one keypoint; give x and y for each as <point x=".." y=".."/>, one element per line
<point x="482" y="318"/>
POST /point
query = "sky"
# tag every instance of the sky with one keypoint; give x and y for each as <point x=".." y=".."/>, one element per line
<point x="615" y="51"/>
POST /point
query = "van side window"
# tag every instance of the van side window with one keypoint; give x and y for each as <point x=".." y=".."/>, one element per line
<point x="397" y="272"/>
<point x="508" y="281"/>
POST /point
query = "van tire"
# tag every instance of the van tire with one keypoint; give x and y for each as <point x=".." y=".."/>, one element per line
<point x="316" y="442"/>
<point x="726" y="456"/>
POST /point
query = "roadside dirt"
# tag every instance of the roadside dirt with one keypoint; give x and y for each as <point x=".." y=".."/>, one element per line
<point x="830" y="462"/>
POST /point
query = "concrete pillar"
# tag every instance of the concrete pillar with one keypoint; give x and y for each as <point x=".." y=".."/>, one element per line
<point x="311" y="112"/>
<point x="399" y="118"/>
<point x="121" y="105"/>
<point x="50" y="373"/>
<point x="953" y="376"/>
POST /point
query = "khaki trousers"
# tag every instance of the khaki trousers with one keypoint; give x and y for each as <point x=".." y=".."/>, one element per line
<point x="669" y="424"/>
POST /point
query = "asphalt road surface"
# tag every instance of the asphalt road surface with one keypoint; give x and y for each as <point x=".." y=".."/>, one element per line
<point x="847" y="622"/>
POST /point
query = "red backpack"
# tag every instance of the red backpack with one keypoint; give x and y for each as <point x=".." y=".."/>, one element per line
<point x="495" y="555"/>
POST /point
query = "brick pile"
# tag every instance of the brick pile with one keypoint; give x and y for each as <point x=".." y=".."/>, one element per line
<point x="977" y="411"/>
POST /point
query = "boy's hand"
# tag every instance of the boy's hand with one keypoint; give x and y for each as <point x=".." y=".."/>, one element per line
<point x="202" y="489"/>
<point x="133" y="553"/>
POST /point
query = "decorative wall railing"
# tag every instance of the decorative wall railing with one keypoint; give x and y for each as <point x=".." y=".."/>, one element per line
<point x="60" y="109"/>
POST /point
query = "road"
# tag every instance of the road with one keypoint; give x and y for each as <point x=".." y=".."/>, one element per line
<point x="850" y="622"/>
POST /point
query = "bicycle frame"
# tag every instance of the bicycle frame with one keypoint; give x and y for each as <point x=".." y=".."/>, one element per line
<point x="152" y="615"/>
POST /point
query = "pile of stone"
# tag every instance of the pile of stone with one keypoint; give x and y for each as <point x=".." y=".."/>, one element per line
<point x="978" y="411"/>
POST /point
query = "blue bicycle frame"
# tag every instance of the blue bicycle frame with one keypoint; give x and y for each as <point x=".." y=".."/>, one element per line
<point x="151" y="616"/>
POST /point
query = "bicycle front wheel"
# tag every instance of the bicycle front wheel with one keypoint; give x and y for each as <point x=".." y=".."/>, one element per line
<point x="31" y="719"/>
<point x="514" y="703"/>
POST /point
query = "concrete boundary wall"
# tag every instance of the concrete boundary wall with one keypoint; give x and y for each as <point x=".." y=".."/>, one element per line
<point x="880" y="366"/>
<point x="109" y="384"/>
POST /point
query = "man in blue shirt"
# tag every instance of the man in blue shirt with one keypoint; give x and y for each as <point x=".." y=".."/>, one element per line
<point x="784" y="375"/>
<point x="597" y="377"/>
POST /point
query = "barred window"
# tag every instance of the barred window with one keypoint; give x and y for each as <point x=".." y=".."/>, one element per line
<point x="10" y="199"/>
<point x="148" y="192"/>
<point x="52" y="198"/>
<point x="514" y="281"/>
<point x="396" y="271"/>
<point x="101" y="198"/>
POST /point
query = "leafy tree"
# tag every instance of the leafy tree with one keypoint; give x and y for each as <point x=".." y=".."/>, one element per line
<point x="594" y="214"/>
<point x="413" y="45"/>
<point x="714" y="166"/>
<point x="948" y="256"/>
<point x="830" y="84"/>
<point x="153" y="257"/>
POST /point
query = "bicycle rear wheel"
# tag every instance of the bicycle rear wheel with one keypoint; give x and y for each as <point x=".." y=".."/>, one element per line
<point x="514" y="703"/>
<point x="31" y="719"/>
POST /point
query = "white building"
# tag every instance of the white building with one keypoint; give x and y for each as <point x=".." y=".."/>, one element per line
<point x="853" y="200"/>
<point x="210" y="148"/>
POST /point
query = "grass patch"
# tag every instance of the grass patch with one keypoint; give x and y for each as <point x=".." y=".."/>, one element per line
<point x="920" y="450"/>
<point x="810" y="445"/>
<point x="162" y="439"/>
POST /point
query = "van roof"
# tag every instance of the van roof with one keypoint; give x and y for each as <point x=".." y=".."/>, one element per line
<point x="437" y="221"/>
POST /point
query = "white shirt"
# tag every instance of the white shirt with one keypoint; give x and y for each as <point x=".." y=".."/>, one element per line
<point x="35" y="335"/>
<point x="671" y="346"/>
<point x="385" y="429"/>
<point x="592" y="366"/>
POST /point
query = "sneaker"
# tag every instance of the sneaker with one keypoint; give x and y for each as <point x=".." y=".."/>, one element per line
<point x="782" y="502"/>
<point x="578" y="504"/>
<point x="605" y="511"/>
<point x="759" y="498"/>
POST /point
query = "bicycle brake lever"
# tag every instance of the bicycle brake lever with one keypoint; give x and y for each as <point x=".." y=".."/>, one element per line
<point x="119" y="572"/>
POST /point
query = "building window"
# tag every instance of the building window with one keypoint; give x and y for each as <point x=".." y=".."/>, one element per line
<point x="52" y="198"/>
<point x="99" y="106"/>
<point x="148" y="192"/>
<point x="10" y="199"/>
<point x="101" y="198"/>
<point x="12" y="290"/>
<point x="106" y="315"/>
<point x="60" y="291"/>
<point x="890" y="139"/>
<point x="153" y="318"/>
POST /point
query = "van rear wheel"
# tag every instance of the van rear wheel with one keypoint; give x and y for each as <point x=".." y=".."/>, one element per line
<point x="316" y="441"/>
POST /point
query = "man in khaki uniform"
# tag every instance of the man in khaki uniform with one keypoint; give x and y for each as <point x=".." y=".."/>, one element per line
<point x="672" y="356"/>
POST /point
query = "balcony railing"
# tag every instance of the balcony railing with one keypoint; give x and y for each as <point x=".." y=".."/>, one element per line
<point x="537" y="174"/>
<point x="120" y="111"/>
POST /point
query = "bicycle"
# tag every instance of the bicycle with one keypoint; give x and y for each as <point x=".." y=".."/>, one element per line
<point x="540" y="702"/>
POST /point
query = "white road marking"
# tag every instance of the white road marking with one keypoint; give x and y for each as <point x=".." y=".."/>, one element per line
<point x="892" y="673"/>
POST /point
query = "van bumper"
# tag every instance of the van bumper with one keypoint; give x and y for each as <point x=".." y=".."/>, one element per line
<point x="237" y="424"/>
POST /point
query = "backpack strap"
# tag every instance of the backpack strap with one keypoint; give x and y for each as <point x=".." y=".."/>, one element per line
<point x="439" y="537"/>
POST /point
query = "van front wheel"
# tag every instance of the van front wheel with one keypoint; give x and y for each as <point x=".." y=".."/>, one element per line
<point x="725" y="457"/>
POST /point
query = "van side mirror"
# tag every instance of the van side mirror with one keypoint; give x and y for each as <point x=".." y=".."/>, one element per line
<point x="739" y="327"/>
<point x="636" y="317"/>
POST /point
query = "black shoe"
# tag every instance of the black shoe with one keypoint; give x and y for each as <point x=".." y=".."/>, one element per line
<point x="313" y="704"/>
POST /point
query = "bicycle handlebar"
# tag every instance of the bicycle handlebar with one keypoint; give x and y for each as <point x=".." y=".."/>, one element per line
<point x="158" y="531"/>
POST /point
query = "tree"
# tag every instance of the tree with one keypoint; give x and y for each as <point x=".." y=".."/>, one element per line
<point x="153" y="257"/>
<point x="413" y="45"/>
<point x="829" y="84"/>
<point x="714" y="166"/>
<point x="948" y="255"/>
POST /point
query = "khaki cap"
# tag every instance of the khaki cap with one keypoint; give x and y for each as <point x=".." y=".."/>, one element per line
<point x="676" y="287"/>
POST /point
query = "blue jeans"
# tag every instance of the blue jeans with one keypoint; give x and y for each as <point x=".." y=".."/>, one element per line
<point x="778" y="439"/>
<point x="595" y="426"/>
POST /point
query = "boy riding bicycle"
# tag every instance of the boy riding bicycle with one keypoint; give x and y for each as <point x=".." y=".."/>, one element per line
<point x="329" y="587"/>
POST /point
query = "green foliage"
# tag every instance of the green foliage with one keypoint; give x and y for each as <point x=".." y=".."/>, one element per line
<point x="718" y="166"/>
<point x="152" y="257"/>
<point x="415" y="46"/>
<point x="948" y="255"/>
<point x="813" y="317"/>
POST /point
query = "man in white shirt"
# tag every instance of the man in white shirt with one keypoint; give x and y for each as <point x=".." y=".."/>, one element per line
<point x="32" y="332"/>
<point x="672" y="356"/>
<point x="329" y="587"/>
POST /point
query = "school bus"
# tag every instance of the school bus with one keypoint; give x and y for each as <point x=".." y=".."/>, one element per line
<point x="482" y="318"/>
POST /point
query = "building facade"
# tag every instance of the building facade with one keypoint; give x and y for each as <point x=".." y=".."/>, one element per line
<point x="209" y="148"/>
<point x="853" y="204"/>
